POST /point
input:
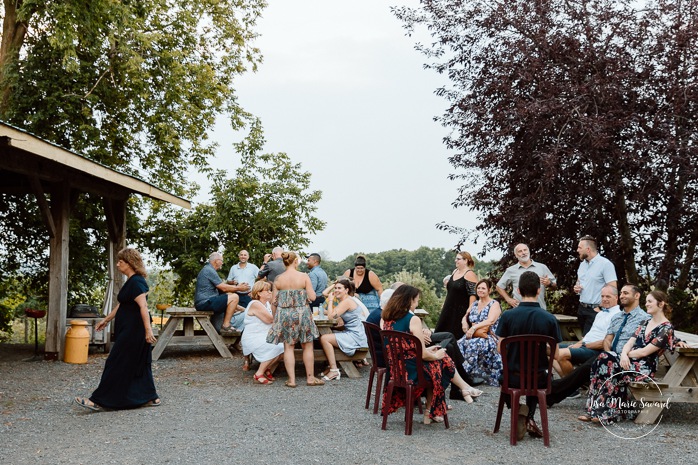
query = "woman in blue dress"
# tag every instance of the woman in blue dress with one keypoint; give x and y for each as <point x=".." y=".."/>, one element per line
<point x="480" y="355"/>
<point x="127" y="380"/>
<point x="353" y="337"/>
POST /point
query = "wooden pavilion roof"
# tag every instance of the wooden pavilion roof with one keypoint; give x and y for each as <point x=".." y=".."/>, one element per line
<point x="26" y="154"/>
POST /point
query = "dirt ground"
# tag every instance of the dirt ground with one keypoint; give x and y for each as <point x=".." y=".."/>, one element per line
<point x="212" y="412"/>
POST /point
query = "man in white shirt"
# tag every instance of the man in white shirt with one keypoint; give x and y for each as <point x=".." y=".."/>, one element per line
<point x="592" y="343"/>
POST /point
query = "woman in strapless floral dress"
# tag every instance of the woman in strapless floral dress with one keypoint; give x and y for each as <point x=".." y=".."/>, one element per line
<point x="293" y="320"/>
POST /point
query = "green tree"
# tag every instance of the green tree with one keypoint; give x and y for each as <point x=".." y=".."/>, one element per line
<point x="134" y="85"/>
<point x="162" y="284"/>
<point x="433" y="263"/>
<point x="428" y="300"/>
<point x="267" y="203"/>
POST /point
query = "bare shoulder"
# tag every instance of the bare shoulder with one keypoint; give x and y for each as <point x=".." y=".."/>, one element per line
<point x="470" y="276"/>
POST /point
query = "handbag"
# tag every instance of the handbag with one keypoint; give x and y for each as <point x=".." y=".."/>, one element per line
<point x="482" y="332"/>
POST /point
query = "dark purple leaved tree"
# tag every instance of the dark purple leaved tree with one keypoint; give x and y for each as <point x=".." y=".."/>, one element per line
<point x="572" y="118"/>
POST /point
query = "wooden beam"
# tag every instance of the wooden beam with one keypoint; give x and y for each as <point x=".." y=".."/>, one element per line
<point x="115" y="212"/>
<point x="116" y="224"/>
<point x="58" y="273"/>
<point x="13" y="139"/>
<point x="43" y="205"/>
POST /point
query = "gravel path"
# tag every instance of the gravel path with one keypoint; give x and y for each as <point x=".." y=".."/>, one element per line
<point x="213" y="413"/>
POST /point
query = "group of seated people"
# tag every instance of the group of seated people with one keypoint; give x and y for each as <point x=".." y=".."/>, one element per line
<point x="626" y="340"/>
<point x="277" y="313"/>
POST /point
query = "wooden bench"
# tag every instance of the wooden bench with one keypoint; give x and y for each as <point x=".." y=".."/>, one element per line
<point x="188" y="336"/>
<point x="343" y="360"/>
<point x="679" y="384"/>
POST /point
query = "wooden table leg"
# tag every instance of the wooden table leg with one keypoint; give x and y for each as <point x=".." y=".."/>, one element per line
<point x="214" y="336"/>
<point x="165" y="337"/>
<point x="350" y="369"/>
<point x="677" y="374"/>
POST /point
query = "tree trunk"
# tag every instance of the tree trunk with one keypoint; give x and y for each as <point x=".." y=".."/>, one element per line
<point x="13" y="32"/>
<point x="627" y="247"/>
<point x="684" y="274"/>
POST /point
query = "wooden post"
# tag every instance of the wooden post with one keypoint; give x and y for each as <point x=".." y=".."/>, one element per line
<point x="115" y="211"/>
<point x="58" y="273"/>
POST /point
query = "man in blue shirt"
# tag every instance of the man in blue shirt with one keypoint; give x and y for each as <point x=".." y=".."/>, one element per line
<point x="318" y="278"/>
<point x="593" y="274"/>
<point x="213" y="295"/>
<point x="243" y="274"/>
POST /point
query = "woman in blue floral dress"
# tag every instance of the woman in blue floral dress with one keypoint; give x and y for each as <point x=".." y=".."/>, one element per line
<point x="480" y="355"/>
<point x="609" y="396"/>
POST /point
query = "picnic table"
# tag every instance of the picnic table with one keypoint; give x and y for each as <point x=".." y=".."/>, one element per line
<point x="679" y="384"/>
<point x="187" y="336"/>
<point x="569" y="327"/>
<point x="325" y="326"/>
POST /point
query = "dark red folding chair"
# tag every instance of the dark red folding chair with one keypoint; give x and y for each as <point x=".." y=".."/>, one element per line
<point x="530" y="347"/>
<point x="378" y="366"/>
<point x="398" y="347"/>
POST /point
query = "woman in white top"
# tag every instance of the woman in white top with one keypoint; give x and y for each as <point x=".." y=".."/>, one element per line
<point x="258" y="320"/>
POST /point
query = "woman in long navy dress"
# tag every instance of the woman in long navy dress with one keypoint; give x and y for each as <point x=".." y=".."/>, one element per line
<point x="460" y="295"/>
<point x="127" y="380"/>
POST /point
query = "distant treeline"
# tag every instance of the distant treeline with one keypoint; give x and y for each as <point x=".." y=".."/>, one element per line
<point x="433" y="263"/>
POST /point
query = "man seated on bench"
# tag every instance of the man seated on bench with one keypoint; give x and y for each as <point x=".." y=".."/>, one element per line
<point x="214" y="295"/>
<point x="592" y="344"/>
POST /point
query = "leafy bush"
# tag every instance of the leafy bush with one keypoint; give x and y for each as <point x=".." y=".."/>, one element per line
<point x="429" y="301"/>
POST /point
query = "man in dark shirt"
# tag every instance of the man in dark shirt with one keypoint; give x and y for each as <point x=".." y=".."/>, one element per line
<point x="527" y="318"/>
<point x="273" y="265"/>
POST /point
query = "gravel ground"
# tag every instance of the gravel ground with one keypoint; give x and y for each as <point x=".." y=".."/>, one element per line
<point x="213" y="413"/>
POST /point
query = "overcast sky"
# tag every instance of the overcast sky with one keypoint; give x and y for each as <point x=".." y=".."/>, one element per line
<point x="343" y="92"/>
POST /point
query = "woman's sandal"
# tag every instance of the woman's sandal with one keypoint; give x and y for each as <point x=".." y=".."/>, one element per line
<point x="154" y="403"/>
<point x="337" y="377"/>
<point x="261" y="379"/>
<point x="290" y="384"/>
<point x="268" y="375"/>
<point x="86" y="403"/>
<point x="584" y="418"/>
<point x="427" y="419"/>
<point x="246" y="363"/>
<point x="467" y="396"/>
<point x="313" y="381"/>
<point x="472" y="392"/>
